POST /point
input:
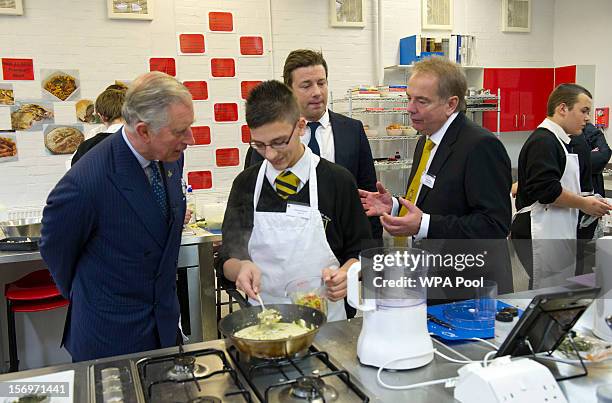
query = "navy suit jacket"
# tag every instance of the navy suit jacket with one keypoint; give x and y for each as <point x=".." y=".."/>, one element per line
<point x="352" y="151"/>
<point x="113" y="254"/>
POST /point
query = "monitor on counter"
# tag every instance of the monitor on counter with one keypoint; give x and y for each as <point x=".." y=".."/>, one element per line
<point x="546" y="321"/>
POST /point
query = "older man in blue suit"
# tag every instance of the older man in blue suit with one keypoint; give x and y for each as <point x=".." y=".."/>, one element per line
<point x="112" y="227"/>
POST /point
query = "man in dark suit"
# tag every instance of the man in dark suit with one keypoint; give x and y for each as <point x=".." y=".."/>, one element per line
<point x="459" y="186"/>
<point x="111" y="229"/>
<point x="337" y="138"/>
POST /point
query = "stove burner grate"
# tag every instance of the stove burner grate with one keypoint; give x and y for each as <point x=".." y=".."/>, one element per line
<point x="190" y="368"/>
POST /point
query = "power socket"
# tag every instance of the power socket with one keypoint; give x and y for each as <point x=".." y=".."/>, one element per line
<point x="507" y="381"/>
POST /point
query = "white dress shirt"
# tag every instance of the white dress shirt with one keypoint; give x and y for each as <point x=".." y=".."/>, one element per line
<point x="144" y="163"/>
<point x="436" y="138"/>
<point x="301" y="169"/>
<point x="324" y="136"/>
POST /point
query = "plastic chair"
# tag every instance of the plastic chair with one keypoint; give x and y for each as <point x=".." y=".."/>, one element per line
<point x="34" y="292"/>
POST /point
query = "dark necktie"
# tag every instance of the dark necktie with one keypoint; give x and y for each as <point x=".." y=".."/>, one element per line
<point x="313" y="144"/>
<point x="158" y="188"/>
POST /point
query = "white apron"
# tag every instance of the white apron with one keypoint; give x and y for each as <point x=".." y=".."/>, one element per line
<point x="285" y="247"/>
<point x="553" y="230"/>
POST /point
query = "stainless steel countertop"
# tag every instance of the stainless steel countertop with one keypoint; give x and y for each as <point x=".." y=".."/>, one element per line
<point x="7" y="257"/>
<point x="340" y="340"/>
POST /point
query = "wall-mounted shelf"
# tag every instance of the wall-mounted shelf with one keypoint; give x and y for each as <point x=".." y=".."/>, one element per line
<point x="392" y="138"/>
<point x="410" y="66"/>
<point x="390" y="165"/>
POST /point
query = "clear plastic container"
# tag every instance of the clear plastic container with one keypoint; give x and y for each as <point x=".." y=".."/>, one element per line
<point x="308" y="291"/>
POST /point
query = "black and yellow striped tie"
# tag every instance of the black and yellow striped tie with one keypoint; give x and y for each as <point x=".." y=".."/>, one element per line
<point x="286" y="184"/>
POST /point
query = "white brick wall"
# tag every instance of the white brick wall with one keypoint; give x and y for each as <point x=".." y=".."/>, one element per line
<point x="76" y="34"/>
<point x="582" y="36"/>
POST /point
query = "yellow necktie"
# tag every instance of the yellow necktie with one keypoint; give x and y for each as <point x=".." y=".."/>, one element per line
<point x="413" y="189"/>
<point x="286" y="184"/>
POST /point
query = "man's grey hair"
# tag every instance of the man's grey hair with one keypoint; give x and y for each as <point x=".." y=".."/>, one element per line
<point x="148" y="98"/>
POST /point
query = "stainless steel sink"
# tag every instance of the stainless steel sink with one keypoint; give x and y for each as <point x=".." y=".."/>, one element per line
<point x="27" y="227"/>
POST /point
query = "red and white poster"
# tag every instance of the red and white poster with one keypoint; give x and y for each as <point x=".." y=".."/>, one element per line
<point x="225" y="67"/>
<point x="246" y="87"/>
<point x="201" y="135"/>
<point x="227" y="157"/>
<point x="602" y="117"/>
<point x="191" y="44"/>
<point x="251" y="46"/>
<point x="246" y="134"/>
<point x="200" y="179"/>
<point x="164" y="64"/>
<point x="198" y="89"/>
<point x="226" y="112"/>
<point x="221" y="21"/>
<point x="18" y="69"/>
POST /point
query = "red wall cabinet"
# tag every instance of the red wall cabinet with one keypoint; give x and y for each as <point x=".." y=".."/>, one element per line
<point x="524" y="92"/>
<point x="565" y="75"/>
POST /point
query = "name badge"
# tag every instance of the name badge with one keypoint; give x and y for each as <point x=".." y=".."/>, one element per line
<point x="298" y="210"/>
<point x="428" y="180"/>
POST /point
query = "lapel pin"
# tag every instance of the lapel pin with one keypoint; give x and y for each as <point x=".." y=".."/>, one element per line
<point x="169" y="174"/>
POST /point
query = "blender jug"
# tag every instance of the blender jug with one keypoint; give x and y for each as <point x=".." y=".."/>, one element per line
<point x="392" y="297"/>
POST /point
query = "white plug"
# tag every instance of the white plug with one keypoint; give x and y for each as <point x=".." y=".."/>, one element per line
<point x="509" y="381"/>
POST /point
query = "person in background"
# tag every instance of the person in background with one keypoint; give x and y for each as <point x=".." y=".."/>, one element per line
<point x="600" y="155"/>
<point x="111" y="229"/>
<point x="549" y="190"/>
<point x="460" y="180"/>
<point x="337" y="138"/>
<point x="293" y="215"/>
<point x="108" y="107"/>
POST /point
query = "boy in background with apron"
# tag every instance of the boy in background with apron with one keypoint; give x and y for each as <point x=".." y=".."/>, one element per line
<point x="549" y="197"/>
<point x="292" y="216"/>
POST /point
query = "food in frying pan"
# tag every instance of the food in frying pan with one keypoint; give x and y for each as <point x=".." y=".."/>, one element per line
<point x="61" y="85"/>
<point x="269" y="316"/>
<point x="8" y="148"/>
<point x="33" y="399"/>
<point x="63" y="140"/>
<point x="6" y="97"/>
<point x="24" y="117"/>
<point x="274" y="331"/>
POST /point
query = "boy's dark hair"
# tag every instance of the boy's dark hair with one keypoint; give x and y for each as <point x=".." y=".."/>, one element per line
<point x="565" y="94"/>
<point x="301" y="58"/>
<point x="269" y="102"/>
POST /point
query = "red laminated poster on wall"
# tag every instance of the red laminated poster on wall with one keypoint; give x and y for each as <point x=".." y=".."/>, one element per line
<point x="222" y="68"/>
<point x="220" y="21"/>
<point x="200" y="179"/>
<point x="201" y="135"/>
<point x="164" y="64"/>
<point x="227" y="112"/>
<point x="191" y="44"/>
<point x="246" y="134"/>
<point x="18" y="69"/>
<point x="246" y="87"/>
<point x="227" y="157"/>
<point x="251" y="45"/>
<point x="602" y="117"/>
<point x="198" y="89"/>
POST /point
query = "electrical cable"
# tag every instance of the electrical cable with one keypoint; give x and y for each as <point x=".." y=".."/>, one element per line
<point x="485" y="342"/>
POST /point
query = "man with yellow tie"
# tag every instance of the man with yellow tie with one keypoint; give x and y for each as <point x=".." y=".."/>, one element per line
<point x="294" y="215"/>
<point x="460" y="181"/>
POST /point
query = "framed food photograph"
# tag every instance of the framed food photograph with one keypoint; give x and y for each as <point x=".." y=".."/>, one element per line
<point x="8" y="146"/>
<point x="12" y="7"/>
<point x="437" y="14"/>
<point x="130" y="9"/>
<point x="516" y="15"/>
<point x="347" y="13"/>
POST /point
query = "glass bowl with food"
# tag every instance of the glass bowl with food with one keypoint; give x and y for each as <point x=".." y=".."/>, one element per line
<point x="308" y="291"/>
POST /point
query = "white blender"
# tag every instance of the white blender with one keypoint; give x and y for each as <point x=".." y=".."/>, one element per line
<point x="394" y="332"/>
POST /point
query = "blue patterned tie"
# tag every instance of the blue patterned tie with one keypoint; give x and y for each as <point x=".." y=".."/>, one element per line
<point x="158" y="187"/>
<point x="313" y="144"/>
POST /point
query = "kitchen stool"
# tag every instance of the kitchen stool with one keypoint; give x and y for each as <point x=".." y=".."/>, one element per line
<point x="34" y="292"/>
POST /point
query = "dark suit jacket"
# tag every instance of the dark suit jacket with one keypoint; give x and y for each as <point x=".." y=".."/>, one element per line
<point x="352" y="151"/>
<point x="470" y="198"/>
<point x="87" y="145"/>
<point x="599" y="159"/>
<point x="113" y="254"/>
